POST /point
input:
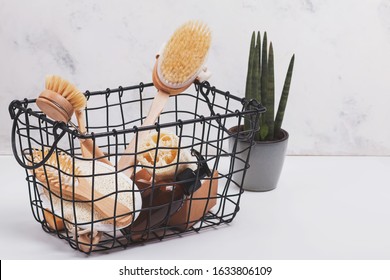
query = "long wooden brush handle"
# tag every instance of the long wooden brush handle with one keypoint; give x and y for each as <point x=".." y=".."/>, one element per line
<point x="87" y="145"/>
<point x="128" y="160"/>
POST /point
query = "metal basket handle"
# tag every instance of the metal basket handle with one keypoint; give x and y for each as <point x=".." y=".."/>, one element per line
<point x="57" y="137"/>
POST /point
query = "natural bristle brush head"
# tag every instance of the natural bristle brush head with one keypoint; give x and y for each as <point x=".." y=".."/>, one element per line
<point x="57" y="161"/>
<point x="183" y="57"/>
<point x="60" y="99"/>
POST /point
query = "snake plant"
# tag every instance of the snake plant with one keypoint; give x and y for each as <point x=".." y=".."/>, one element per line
<point x="260" y="85"/>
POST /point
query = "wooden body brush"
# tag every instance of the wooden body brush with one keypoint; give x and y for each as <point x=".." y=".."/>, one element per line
<point x="179" y="64"/>
<point x="58" y="175"/>
<point x="59" y="101"/>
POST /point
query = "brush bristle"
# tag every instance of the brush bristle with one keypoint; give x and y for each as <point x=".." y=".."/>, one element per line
<point x="63" y="162"/>
<point x="58" y="164"/>
<point x="185" y="53"/>
<point x="67" y="90"/>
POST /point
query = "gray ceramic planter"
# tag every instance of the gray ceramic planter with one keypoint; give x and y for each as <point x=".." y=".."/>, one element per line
<point x="266" y="162"/>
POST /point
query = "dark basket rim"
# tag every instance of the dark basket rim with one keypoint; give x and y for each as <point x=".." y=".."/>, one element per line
<point x="22" y="107"/>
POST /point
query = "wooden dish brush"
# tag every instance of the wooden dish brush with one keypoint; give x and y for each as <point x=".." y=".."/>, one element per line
<point x="60" y="100"/>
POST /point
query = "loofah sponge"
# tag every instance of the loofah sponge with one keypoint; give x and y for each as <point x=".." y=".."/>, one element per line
<point x="167" y="159"/>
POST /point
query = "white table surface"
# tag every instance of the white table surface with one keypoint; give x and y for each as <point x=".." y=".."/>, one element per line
<point x="323" y="208"/>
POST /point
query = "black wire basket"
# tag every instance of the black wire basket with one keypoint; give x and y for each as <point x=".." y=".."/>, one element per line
<point x="182" y="177"/>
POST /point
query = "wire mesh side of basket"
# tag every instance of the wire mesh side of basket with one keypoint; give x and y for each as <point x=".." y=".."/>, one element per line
<point x="200" y="118"/>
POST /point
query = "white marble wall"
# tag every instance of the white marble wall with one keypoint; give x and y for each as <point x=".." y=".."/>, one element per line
<point x="340" y="93"/>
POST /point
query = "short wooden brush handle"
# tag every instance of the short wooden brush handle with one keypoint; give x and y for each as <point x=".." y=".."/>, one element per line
<point x="105" y="206"/>
<point x="88" y="147"/>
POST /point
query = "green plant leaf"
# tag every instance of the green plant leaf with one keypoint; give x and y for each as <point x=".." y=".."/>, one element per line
<point x="270" y="115"/>
<point x="252" y="48"/>
<point x="284" y="98"/>
<point x="255" y="74"/>
<point x="257" y="89"/>
<point x="264" y="70"/>
<point x="263" y="132"/>
<point x="258" y="43"/>
<point x="248" y="88"/>
<point x="256" y="70"/>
